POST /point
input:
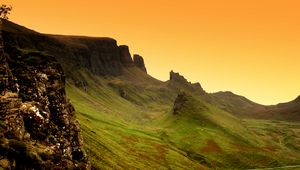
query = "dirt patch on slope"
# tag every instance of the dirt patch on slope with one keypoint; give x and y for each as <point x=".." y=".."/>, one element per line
<point x="211" y="146"/>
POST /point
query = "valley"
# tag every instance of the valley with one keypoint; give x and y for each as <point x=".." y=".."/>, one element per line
<point x="199" y="136"/>
<point x="130" y="120"/>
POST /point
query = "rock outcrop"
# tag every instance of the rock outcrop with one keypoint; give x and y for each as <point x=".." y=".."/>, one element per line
<point x="181" y="83"/>
<point x="179" y="102"/>
<point x="139" y="62"/>
<point x="187" y="105"/>
<point x="38" y="129"/>
<point x="125" y="55"/>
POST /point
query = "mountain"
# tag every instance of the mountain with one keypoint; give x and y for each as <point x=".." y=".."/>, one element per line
<point x="130" y="120"/>
<point x="244" y="108"/>
<point x="101" y="56"/>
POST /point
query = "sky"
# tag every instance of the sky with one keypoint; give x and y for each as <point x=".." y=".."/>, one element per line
<point x="251" y="48"/>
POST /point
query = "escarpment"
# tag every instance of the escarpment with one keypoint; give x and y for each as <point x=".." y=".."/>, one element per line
<point x="99" y="55"/>
<point x="38" y="129"/>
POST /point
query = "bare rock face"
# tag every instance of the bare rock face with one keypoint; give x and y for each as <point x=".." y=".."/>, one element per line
<point x="177" y="77"/>
<point x="139" y="62"/>
<point x="100" y="55"/>
<point x="181" y="83"/>
<point x="78" y="55"/>
<point x="38" y="129"/>
<point x="125" y="55"/>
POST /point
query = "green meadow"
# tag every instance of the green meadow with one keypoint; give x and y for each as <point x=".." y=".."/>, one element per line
<point x="141" y="131"/>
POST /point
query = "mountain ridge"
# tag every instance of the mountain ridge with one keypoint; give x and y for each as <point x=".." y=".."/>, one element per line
<point x="109" y="59"/>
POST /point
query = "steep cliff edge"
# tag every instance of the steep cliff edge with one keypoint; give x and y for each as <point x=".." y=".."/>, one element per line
<point x="101" y="56"/>
<point x="38" y="129"/>
<point x="139" y="62"/>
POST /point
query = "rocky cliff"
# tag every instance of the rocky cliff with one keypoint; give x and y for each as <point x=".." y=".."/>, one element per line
<point x="181" y="83"/>
<point x="139" y="62"/>
<point x="38" y="129"/>
<point x="101" y="56"/>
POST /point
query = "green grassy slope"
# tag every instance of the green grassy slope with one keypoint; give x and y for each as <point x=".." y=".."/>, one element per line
<point x="244" y="108"/>
<point x="225" y="141"/>
<point x="140" y="130"/>
<point x="114" y="128"/>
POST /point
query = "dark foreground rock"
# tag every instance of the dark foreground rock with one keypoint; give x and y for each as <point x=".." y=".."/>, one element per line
<point x="38" y="129"/>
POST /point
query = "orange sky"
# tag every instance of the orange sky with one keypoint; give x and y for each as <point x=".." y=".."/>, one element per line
<point x="249" y="47"/>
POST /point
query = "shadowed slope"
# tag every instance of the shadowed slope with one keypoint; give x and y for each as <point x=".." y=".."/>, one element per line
<point x="216" y="138"/>
<point x="244" y="108"/>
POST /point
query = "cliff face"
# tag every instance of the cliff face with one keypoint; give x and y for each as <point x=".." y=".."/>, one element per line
<point x="101" y="56"/>
<point x="139" y="62"/>
<point x="37" y="125"/>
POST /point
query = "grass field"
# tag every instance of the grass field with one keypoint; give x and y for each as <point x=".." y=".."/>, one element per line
<point x="141" y="131"/>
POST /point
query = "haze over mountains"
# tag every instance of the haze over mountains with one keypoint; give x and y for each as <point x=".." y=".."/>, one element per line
<point x="130" y="120"/>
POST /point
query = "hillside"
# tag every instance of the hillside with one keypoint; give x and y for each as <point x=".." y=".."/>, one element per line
<point x="104" y="58"/>
<point x="130" y="120"/>
<point x="244" y="108"/>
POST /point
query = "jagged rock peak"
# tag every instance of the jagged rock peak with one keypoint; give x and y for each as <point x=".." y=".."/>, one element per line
<point x="178" y="80"/>
<point x="177" y="77"/>
<point x="139" y="62"/>
<point x="125" y="55"/>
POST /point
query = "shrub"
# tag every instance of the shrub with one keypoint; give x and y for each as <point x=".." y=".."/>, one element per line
<point x="2" y="124"/>
<point x="18" y="146"/>
<point x="33" y="160"/>
<point x="10" y="135"/>
<point x="45" y="156"/>
<point x="56" y="158"/>
<point x="3" y="149"/>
